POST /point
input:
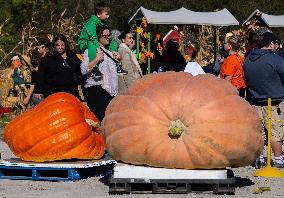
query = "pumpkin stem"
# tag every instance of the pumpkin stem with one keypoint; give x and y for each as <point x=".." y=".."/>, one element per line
<point x="92" y="123"/>
<point x="176" y="129"/>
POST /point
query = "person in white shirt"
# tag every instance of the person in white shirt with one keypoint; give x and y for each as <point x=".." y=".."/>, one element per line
<point x="192" y="66"/>
<point x="101" y="75"/>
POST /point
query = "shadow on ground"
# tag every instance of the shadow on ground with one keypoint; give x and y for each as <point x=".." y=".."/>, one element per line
<point x="243" y="182"/>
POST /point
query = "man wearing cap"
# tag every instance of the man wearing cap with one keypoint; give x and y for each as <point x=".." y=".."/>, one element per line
<point x="264" y="75"/>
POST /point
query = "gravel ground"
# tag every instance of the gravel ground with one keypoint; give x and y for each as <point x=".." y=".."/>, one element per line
<point x="97" y="186"/>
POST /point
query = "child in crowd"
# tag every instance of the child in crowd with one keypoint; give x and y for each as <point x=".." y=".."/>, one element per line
<point x="88" y="38"/>
<point x="192" y="66"/>
<point x="43" y="48"/>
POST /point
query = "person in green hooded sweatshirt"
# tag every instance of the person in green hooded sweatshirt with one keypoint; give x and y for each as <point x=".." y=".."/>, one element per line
<point x="88" y="38"/>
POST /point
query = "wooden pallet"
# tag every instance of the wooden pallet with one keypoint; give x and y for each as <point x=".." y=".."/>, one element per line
<point x="128" y="179"/>
<point x="171" y="186"/>
<point x="16" y="169"/>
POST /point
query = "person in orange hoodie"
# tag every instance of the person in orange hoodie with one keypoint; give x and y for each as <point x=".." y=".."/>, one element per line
<point x="232" y="68"/>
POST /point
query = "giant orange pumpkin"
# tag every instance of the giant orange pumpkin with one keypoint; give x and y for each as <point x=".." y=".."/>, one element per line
<point x="175" y="120"/>
<point x="55" y="129"/>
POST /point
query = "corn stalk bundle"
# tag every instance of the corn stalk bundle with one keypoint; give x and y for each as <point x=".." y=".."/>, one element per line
<point x="202" y="39"/>
<point x="12" y="95"/>
<point x="243" y="36"/>
<point x="68" y="26"/>
<point x="183" y="41"/>
<point x="16" y="98"/>
<point x="206" y="50"/>
<point x="6" y="84"/>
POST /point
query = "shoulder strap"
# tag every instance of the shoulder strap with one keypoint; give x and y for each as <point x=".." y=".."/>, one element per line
<point x="109" y="55"/>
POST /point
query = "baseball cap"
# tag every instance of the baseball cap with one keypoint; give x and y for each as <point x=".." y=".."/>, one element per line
<point x="267" y="38"/>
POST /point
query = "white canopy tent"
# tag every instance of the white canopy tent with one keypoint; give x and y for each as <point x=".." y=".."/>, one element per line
<point x="269" y="20"/>
<point x="185" y="16"/>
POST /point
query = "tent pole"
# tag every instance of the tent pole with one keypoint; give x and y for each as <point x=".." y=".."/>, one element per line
<point x="215" y="42"/>
<point x="137" y="45"/>
<point x="149" y="48"/>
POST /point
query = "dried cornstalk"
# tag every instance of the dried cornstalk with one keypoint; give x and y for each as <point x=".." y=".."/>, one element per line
<point x="6" y="84"/>
<point x="2" y="26"/>
<point x="202" y="38"/>
<point x="69" y="27"/>
<point x="206" y="50"/>
<point x="13" y="95"/>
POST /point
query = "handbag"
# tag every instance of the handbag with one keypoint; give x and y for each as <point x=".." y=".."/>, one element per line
<point x="95" y="74"/>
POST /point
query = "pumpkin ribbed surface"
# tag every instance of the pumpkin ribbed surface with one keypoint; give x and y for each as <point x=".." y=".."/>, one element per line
<point x="175" y="120"/>
<point x="55" y="129"/>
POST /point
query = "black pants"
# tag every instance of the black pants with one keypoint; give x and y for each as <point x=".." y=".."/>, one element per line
<point x="97" y="100"/>
<point x="71" y="90"/>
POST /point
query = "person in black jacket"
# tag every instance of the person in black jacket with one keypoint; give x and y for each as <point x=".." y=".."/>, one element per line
<point x="34" y="95"/>
<point x="172" y="59"/>
<point x="60" y="72"/>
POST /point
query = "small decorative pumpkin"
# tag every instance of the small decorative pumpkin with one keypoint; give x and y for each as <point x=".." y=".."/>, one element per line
<point x="58" y="128"/>
<point x="175" y="120"/>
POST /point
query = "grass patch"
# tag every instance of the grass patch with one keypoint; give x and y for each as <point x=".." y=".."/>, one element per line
<point x="3" y="122"/>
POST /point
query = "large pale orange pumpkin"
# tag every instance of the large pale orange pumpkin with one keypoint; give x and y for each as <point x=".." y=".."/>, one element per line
<point x="55" y="129"/>
<point x="175" y="120"/>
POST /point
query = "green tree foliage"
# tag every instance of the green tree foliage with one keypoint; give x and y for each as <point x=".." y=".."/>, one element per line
<point x="21" y="10"/>
<point x="14" y="14"/>
<point x="7" y="26"/>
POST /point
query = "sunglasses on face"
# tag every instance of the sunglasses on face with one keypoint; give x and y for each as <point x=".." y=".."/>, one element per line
<point x="106" y="36"/>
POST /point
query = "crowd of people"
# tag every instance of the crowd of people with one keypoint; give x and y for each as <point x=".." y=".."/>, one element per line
<point x="57" y="68"/>
<point x="264" y="76"/>
<point x="257" y="75"/>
